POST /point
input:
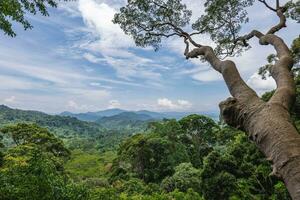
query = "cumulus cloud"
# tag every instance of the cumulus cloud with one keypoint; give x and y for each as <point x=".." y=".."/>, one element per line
<point x="260" y="85"/>
<point x="165" y="103"/>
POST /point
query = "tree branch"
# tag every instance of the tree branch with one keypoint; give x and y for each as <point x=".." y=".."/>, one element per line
<point x="267" y="5"/>
<point x="281" y="24"/>
<point x="281" y="72"/>
<point x="236" y="85"/>
<point x="164" y="35"/>
<point x="277" y="4"/>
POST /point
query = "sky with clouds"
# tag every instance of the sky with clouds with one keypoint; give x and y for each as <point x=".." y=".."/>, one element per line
<point x="78" y="60"/>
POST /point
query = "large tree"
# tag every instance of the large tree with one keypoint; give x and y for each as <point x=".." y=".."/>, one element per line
<point x="268" y="124"/>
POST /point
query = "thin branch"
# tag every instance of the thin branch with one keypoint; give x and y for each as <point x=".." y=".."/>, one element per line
<point x="267" y="5"/>
<point x="164" y="35"/>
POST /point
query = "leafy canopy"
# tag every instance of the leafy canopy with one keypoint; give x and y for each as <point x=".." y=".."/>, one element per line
<point x="223" y="20"/>
<point x="149" y="21"/>
<point x="33" y="168"/>
<point x="16" y="11"/>
<point x="31" y="134"/>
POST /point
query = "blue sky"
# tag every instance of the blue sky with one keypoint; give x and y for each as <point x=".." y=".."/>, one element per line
<point x="78" y="60"/>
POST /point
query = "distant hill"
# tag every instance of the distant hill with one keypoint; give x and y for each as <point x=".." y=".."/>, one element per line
<point x="109" y="112"/>
<point x="128" y="120"/>
<point x="96" y="116"/>
<point x="93" y="116"/>
<point x="88" y="124"/>
<point x="89" y="116"/>
<point x="61" y="125"/>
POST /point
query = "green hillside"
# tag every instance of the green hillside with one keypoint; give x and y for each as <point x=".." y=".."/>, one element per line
<point x="62" y="126"/>
<point x="126" y="120"/>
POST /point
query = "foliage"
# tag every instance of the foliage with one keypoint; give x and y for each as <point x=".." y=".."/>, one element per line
<point x="34" y="168"/>
<point x="27" y="134"/>
<point x="149" y="157"/>
<point x="199" y="126"/>
<point x="90" y="166"/>
<point x="148" y="21"/>
<point x="239" y="172"/>
<point x="16" y="10"/>
<point x="294" y="10"/>
<point x="184" y="178"/>
<point x="222" y="21"/>
<point x="193" y="158"/>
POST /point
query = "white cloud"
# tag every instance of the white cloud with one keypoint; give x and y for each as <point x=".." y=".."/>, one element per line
<point x="165" y="103"/>
<point x="74" y="106"/>
<point x="92" y="58"/>
<point x="184" y="103"/>
<point x="260" y="85"/>
<point x="209" y="75"/>
<point x="10" y="99"/>
<point x="111" y="42"/>
<point x="114" y="104"/>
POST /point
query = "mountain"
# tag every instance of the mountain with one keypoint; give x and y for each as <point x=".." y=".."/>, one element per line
<point x="129" y="120"/>
<point x="89" y="116"/>
<point x="154" y="115"/>
<point x="109" y="112"/>
<point x="95" y="116"/>
<point x="61" y="125"/>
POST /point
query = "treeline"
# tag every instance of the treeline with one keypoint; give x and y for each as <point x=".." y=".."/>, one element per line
<point x="193" y="158"/>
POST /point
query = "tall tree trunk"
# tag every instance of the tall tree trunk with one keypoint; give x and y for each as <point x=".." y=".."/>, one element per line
<point x="269" y="125"/>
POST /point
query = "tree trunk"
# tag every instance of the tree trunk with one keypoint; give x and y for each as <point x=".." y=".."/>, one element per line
<point x="269" y="125"/>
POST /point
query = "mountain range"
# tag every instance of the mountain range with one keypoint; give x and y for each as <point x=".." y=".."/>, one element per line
<point x="91" y="123"/>
<point x="142" y="115"/>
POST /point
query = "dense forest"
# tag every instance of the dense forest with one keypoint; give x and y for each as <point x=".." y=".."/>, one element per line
<point x="191" y="158"/>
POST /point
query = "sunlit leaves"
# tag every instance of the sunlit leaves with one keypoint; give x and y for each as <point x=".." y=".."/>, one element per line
<point x="26" y="134"/>
<point x="148" y="21"/>
<point x="32" y="169"/>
